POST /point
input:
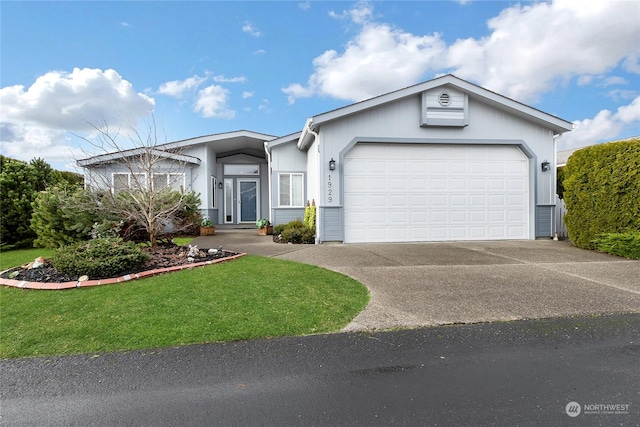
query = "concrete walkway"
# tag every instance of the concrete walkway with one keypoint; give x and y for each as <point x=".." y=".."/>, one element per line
<point x="422" y="284"/>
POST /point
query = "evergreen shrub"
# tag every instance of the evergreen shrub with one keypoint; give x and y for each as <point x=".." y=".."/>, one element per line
<point x="295" y="231"/>
<point x="99" y="258"/>
<point x="602" y="191"/>
<point x="63" y="215"/>
<point x="626" y="245"/>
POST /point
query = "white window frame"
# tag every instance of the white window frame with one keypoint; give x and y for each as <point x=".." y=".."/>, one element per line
<point x="129" y="179"/>
<point x="214" y="190"/>
<point x="237" y="169"/>
<point x="291" y="193"/>
<point x="168" y="180"/>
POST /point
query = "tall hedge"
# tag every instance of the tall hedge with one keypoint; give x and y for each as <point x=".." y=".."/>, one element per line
<point x="602" y="191"/>
<point x="20" y="182"/>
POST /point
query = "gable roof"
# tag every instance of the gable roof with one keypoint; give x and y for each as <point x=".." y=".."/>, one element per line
<point x="549" y="121"/>
<point x="284" y="139"/>
<point x="230" y="139"/>
<point x="111" y="157"/>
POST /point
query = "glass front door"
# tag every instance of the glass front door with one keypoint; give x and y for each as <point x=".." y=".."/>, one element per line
<point x="248" y="200"/>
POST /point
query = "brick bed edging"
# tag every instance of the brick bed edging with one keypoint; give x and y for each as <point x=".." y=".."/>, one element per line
<point x="23" y="284"/>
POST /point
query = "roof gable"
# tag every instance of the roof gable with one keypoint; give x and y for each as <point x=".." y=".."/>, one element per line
<point x="494" y="99"/>
<point x="231" y="139"/>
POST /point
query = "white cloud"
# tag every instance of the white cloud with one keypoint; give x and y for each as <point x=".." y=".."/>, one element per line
<point x="378" y="60"/>
<point x="533" y="48"/>
<point x="360" y="14"/>
<point x="614" y="80"/>
<point x="35" y="120"/>
<point x="177" y="88"/>
<point x="125" y="24"/>
<point x="264" y="105"/>
<point x="223" y="79"/>
<point x="247" y="94"/>
<point x="212" y="103"/>
<point x="260" y="52"/>
<point x="250" y="29"/>
<point x="529" y="50"/>
<point x="606" y="125"/>
<point x="306" y="5"/>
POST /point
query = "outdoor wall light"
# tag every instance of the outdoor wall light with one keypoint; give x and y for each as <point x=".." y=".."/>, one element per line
<point x="332" y="164"/>
<point x="545" y="166"/>
<point x="220" y="185"/>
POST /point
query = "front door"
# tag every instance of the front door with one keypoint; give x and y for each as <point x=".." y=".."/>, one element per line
<point x="248" y="200"/>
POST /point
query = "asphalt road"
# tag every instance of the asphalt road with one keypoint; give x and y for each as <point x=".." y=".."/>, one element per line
<point x="511" y="373"/>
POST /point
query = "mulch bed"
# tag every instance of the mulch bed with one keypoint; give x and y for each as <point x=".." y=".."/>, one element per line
<point x="161" y="257"/>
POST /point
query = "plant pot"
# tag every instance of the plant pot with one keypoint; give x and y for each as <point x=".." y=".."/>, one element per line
<point x="265" y="230"/>
<point x="208" y="231"/>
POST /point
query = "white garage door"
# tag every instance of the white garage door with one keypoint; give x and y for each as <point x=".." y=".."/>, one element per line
<point x="418" y="192"/>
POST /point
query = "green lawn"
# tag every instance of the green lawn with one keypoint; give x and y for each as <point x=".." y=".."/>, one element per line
<point x="252" y="297"/>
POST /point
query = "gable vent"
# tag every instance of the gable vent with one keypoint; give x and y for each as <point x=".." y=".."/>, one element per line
<point x="444" y="99"/>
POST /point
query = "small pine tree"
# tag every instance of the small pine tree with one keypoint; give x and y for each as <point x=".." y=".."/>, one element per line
<point x="62" y="216"/>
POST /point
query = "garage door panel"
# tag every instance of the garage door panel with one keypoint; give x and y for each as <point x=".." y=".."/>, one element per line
<point x="435" y="192"/>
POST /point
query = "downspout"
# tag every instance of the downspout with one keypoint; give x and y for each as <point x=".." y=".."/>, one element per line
<point x="301" y="144"/>
<point x="268" y="153"/>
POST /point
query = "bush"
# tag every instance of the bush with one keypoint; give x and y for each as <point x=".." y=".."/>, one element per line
<point x="99" y="258"/>
<point x="602" y="191"/>
<point x="62" y="216"/>
<point x="626" y="245"/>
<point x="20" y="182"/>
<point x="278" y="229"/>
<point x="296" y="232"/>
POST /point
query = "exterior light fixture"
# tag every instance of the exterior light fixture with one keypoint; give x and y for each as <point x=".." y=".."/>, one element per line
<point x="332" y="164"/>
<point x="220" y="185"/>
<point x="545" y="166"/>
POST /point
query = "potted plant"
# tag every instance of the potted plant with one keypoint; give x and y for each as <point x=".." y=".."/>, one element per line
<point x="264" y="227"/>
<point x="207" y="228"/>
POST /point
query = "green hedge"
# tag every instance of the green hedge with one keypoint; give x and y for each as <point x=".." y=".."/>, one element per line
<point x="621" y="244"/>
<point x="602" y="191"/>
<point x="99" y="258"/>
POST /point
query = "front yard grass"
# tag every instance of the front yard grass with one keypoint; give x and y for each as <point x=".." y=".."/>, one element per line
<point x="251" y="297"/>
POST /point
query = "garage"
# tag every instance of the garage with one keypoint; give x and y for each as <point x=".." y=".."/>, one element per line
<point x="435" y="192"/>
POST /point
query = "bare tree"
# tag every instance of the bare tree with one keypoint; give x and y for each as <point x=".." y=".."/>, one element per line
<point x="140" y="181"/>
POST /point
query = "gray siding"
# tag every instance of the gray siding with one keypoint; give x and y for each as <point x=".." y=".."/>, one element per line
<point x="283" y="216"/>
<point x="332" y="227"/>
<point x="544" y="221"/>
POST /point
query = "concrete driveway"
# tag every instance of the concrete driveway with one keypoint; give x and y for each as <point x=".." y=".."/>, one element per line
<point x="422" y="284"/>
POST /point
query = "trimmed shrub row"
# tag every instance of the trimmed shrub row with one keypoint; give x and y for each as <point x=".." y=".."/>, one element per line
<point x="602" y="191"/>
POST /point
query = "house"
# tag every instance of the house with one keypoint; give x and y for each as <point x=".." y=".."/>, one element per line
<point x="438" y="161"/>
<point x="229" y="170"/>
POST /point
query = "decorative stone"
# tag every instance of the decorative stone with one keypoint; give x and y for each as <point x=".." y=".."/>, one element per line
<point x="39" y="262"/>
<point x="83" y="278"/>
<point x="190" y="259"/>
<point x="13" y="274"/>
<point x="193" y="251"/>
<point x="213" y="251"/>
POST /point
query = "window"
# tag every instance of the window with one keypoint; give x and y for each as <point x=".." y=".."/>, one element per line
<point x="173" y="181"/>
<point x="290" y="189"/>
<point x="214" y="190"/>
<point x="126" y="181"/>
<point x="242" y="169"/>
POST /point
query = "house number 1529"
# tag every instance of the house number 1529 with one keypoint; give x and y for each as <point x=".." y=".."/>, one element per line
<point x="329" y="190"/>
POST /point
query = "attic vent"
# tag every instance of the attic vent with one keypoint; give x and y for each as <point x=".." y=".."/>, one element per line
<point x="444" y="99"/>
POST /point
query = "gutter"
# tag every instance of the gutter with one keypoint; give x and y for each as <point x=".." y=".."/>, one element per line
<point x="305" y="138"/>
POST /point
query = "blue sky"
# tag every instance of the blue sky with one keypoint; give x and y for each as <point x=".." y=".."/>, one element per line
<point x="209" y="67"/>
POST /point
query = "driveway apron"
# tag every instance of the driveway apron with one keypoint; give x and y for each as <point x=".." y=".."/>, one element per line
<point x="423" y="284"/>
